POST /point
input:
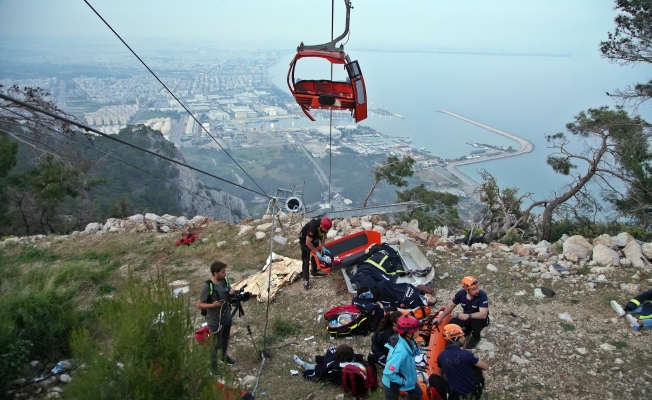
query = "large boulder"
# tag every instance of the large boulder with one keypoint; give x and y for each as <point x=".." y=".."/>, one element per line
<point x="521" y="250"/>
<point x="441" y="231"/>
<point x="92" y="228"/>
<point x="647" y="250"/>
<point x="605" y="256"/>
<point x="244" y="229"/>
<point x="634" y="253"/>
<point x="136" y="219"/>
<point x="413" y="226"/>
<point x="622" y="239"/>
<point x="605" y="240"/>
<point x="264" y="227"/>
<point x="578" y="245"/>
<point x="155" y="218"/>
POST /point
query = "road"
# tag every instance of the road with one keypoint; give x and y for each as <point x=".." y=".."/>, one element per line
<point x="320" y="174"/>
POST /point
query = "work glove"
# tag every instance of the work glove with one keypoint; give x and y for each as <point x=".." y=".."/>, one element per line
<point x="325" y="250"/>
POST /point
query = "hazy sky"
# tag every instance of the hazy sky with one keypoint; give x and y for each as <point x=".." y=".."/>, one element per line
<point x="511" y="25"/>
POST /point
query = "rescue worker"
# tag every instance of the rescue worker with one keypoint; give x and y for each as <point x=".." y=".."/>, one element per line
<point x="213" y="298"/>
<point x="475" y="310"/>
<point x="461" y="368"/>
<point x="641" y="305"/>
<point x="400" y="373"/>
<point x="312" y="235"/>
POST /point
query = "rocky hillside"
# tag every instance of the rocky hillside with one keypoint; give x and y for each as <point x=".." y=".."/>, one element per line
<point x="164" y="185"/>
<point x="553" y="334"/>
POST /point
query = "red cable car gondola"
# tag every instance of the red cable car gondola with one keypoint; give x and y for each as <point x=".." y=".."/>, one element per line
<point x="325" y="94"/>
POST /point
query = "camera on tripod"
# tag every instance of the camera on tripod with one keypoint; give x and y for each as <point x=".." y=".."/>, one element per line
<point x="239" y="296"/>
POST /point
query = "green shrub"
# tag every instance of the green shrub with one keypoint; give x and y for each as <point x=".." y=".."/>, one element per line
<point x="511" y="236"/>
<point x="45" y="318"/>
<point x="150" y="353"/>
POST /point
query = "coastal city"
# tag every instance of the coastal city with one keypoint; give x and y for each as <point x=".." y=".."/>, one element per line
<point x="234" y="105"/>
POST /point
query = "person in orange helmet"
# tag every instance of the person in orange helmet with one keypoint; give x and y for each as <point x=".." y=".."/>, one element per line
<point x="475" y="310"/>
<point x="462" y="369"/>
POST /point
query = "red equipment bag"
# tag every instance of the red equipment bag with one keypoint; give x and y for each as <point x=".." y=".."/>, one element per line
<point x="202" y="335"/>
<point x="346" y="320"/>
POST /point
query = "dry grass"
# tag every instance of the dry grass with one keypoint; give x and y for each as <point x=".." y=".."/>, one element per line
<point x="555" y="368"/>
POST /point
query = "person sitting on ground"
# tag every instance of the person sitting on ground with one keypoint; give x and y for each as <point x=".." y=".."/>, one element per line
<point x="641" y="305"/>
<point x="475" y="310"/>
<point x="400" y="373"/>
<point x="386" y="329"/>
<point x="462" y="369"/>
<point x="329" y="366"/>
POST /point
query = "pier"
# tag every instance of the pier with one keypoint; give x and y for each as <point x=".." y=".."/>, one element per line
<point x="526" y="146"/>
<point x="380" y="111"/>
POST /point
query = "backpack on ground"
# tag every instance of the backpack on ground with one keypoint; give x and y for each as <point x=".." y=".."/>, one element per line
<point x="209" y="300"/>
<point x="359" y="378"/>
<point x="346" y="320"/>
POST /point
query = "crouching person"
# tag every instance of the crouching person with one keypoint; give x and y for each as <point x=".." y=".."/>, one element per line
<point x="460" y="367"/>
<point x="213" y="301"/>
<point x="400" y="373"/>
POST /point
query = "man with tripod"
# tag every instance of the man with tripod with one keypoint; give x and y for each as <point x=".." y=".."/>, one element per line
<point x="215" y="305"/>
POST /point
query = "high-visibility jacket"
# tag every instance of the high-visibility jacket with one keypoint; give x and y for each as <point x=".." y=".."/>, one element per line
<point x="644" y="299"/>
<point x="385" y="258"/>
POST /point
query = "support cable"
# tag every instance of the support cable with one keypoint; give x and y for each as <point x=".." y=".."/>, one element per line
<point x="330" y="129"/>
<point x="118" y="159"/>
<point x="88" y="128"/>
<point x="173" y="95"/>
<point x="273" y="204"/>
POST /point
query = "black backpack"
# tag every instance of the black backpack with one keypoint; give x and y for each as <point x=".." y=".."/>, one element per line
<point x="210" y="296"/>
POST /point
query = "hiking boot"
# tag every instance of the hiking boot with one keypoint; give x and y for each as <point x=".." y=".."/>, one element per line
<point x="632" y="321"/>
<point x="318" y="274"/>
<point x="617" y="308"/>
<point x="470" y="345"/>
<point x="306" y="285"/>
<point x="229" y="361"/>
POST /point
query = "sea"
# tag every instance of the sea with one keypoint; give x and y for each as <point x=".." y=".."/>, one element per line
<point x="529" y="96"/>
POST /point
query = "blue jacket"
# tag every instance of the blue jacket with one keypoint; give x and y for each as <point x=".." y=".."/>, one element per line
<point x="400" y="367"/>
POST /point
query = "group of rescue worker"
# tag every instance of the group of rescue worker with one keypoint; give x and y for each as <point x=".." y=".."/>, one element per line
<point x="393" y="345"/>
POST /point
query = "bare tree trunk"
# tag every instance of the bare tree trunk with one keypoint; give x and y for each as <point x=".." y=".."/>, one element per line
<point x="364" y="203"/>
<point x="546" y="218"/>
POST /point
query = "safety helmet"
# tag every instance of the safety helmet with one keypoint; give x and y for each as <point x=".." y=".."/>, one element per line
<point x="326" y="223"/>
<point x="407" y="324"/>
<point x="469" y="282"/>
<point x="452" y="331"/>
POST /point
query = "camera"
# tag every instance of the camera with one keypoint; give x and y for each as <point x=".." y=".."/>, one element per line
<point x="239" y="296"/>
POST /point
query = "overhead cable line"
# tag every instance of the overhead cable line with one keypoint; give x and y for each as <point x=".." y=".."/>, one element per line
<point x="88" y="128"/>
<point x="175" y="97"/>
<point x="118" y="159"/>
<point x="330" y="129"/>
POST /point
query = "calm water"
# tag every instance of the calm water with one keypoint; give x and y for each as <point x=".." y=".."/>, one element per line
<point x="527" y="96"/>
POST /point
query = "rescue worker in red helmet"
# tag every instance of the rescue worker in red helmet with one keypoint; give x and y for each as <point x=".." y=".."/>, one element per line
<point x="475" y="310"/>
<point x="311" y="236"/>
<point x="400" y="373"/>
<point x="462" y="369"/>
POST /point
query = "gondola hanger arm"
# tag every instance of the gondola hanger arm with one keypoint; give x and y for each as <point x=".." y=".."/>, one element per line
<point x="332" y="45"/>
